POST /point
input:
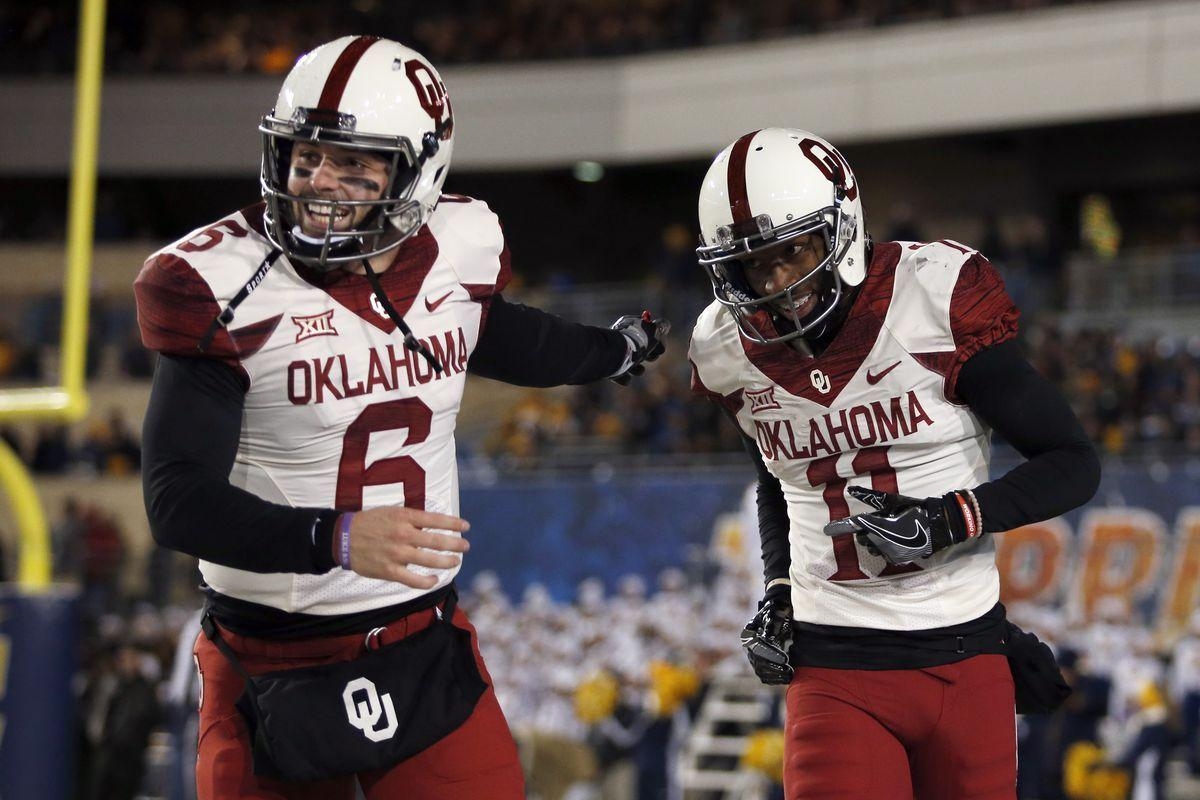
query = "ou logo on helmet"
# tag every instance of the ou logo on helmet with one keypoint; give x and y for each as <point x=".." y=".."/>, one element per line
<point x="831" y="164"/>
<point x="431" y="93"/>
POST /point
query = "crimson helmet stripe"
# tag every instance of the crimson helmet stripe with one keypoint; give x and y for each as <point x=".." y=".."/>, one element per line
<point x="339" y="76"/>
<point x="739" y="201"/>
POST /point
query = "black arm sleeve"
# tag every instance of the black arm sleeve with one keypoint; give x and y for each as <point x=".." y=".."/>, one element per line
<point x="189" y="440"/>
<point x="1062" y="471"/>
<point x="773" y="524"/>
<point x="529" y="347"/>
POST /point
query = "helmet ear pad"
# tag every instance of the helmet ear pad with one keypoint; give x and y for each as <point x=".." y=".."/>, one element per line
<point x="733" y="273"/>
<point x="279" y="155"/>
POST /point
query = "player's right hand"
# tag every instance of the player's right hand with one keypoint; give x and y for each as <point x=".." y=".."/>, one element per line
<point x="767" y="638"/>
<point x="393" y="543"/>
<point x="903" y="529"/>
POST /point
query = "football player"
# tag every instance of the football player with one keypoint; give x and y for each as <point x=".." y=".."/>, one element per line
<point x="300" y="435"/>
<point x="866" y="378"/>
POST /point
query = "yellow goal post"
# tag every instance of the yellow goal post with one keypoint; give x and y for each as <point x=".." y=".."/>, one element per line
<point x="67" y="402"/>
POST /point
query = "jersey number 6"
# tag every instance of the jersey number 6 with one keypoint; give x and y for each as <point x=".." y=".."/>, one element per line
<point x="353" y="472"/>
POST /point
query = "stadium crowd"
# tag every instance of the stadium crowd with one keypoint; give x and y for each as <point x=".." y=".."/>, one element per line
<point x="266" y="37"/>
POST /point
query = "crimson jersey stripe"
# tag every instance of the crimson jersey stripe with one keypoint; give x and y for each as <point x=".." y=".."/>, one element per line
<point x="339" y="76"/>
<point x="739" y="202"/>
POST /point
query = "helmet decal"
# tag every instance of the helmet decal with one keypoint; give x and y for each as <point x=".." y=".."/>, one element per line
<point x="431" y="93"/>
<point x="343" y="68"/>
<point x="739" y="199"/>
<point x="832" y="165"/>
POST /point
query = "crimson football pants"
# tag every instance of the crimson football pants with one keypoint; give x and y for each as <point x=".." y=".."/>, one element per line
<point x="938" y="733"/>
<point x="477" y="760"/>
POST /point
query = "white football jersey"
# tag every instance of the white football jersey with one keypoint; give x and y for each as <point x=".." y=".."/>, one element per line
<point x="338" y="414"/>
<point x="877" y="408"/>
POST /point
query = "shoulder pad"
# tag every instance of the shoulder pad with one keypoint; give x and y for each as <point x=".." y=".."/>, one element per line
<point x="948" y="304"/>
<point x="716" y="352"/>
<point x="176" y="307"/>
<point x="182" y="287"/>
<point x="919" y="312"/>
<point x="471" y="240"/>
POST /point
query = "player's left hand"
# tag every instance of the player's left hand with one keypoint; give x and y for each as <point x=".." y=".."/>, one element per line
<point x="645" y="335"/>
<point x="903" y="529"/>
<point x="767" y="638"/>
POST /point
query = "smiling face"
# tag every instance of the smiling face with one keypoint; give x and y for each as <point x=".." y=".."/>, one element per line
<point x="331" y="173"/>
<point x="776" y="268"/>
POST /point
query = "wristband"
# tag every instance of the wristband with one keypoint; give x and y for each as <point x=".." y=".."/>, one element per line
<point x="978" y="513"/>
<point x="968" y="515"/>
<point x="343" y="538"/>
<point x="778" y="582"/>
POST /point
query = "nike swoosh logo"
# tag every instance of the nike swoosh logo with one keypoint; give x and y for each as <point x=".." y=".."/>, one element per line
<point x="874" y="379"/>
<point x="432" y="307"/>
<point x="921" y="534"/>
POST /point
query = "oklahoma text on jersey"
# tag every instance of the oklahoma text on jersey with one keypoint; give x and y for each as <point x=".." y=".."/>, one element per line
<point x="337" y="412"/>
<point x="877" y="408"/>
<point x="848" y="429"/>
<point x="315" y="380"/>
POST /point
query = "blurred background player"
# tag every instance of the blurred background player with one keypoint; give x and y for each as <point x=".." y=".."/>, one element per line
<point x="866" y="378"/>
<point x="334" y="320"/>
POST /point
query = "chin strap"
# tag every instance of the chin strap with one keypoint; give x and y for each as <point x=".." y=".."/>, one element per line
<point x="225" y="317"/>
<point x="410" y="342"/>
<point x="430" y="144"/>
<point x="815" y="341"/>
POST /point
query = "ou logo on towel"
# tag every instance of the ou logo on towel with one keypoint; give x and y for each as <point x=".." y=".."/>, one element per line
<point x="364" y="713"/>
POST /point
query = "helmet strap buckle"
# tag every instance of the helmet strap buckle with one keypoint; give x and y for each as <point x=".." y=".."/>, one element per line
<point x="766" y="229"/>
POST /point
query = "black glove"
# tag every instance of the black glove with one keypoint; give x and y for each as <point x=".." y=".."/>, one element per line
<point x="645" y="334"/>
<point x="904" y="529"/>
<point x="767" y="637"/>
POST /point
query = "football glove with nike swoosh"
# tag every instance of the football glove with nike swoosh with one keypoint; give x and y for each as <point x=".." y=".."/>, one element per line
<point x="767" y="638"/>
<point x="644" y="336"/>
<point x="903" y="529"/>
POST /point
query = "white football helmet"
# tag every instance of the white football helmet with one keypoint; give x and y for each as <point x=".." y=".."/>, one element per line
<point x="769" y="187"/>
<point x="368" y="93"/>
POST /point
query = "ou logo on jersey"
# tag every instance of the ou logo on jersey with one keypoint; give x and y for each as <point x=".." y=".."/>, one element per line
<point x="820" y="381"/>
<point x="364" y="714"/>
<point x="377" y="306"/>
